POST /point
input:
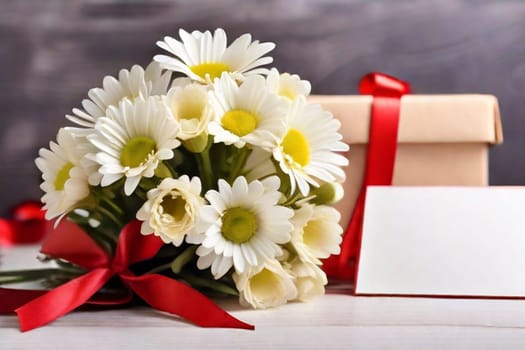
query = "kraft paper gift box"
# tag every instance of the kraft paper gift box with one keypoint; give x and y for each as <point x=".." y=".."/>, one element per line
<point x="442" y="140"/>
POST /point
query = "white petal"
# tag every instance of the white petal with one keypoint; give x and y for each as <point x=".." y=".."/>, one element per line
<point x="238" y="259"/>
<point x="131" y="184"/>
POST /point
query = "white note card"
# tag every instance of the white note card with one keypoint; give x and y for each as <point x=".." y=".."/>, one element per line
<point x="443" y="241"/>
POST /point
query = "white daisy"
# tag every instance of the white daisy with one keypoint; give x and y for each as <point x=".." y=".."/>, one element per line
<point x="307" y="150"/>
<point x="309" y="279"/>
<point x="172" y="209"/>
<point x="244" y="226"/>
<point x="130" y="84"/>
<point x="317" y="233"/>
<point x="268" y="285"/>
<point x="204" y="57"/>
<point x="65" y="182"/>
<point x="287" y="85"/>
<point x="132" y="140"/>
<point x="246" y="114"/>
<point x="190" y="106"/>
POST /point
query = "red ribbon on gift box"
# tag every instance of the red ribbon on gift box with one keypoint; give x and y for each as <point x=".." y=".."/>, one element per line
<point x="69" y="242"/>
<point x="382" y="145"/>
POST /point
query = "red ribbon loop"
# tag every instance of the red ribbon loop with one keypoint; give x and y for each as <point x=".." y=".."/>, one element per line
<point x="68" y="241"/>
<point x="380" y="84"/>
<point x="26" y="225"/>
<point x="379" y="170"/>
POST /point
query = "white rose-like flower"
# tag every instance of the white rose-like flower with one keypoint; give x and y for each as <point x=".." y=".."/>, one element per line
<point x="266" y="286"/>
<point x="309" y="279"/>
<point x="317" y="233"/>
<point x="189" y="106"/>
<point x="65" y="181"/>
<point x="287" y="85"/>
<point x="172" y="209"/>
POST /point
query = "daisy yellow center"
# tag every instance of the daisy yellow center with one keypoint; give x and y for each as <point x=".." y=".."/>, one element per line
<point x="174" y="206"/>
<point x="62" y="176"/>
<point x="213" y="69"/>
<point x="136" y="151"/>
<point x="296" y="146"/>
<point x="238" y="225"/>
<point x="264" y="283"/>
<point x="239" y="122"/>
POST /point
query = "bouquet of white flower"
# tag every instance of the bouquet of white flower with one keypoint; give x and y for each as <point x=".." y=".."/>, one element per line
<point x="227" y="163"/>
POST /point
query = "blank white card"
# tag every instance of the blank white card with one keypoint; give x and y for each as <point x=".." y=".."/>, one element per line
<point x="443" y="241"/>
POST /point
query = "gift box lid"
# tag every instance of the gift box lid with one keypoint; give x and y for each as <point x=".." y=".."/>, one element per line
<point x="423" y="118"/>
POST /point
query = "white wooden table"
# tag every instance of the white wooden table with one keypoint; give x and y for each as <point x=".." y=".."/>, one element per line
<point x="335" y="321"/>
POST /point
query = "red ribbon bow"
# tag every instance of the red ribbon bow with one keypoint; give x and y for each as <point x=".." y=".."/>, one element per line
<point x="382" y="145"/>
<point x="69" y="242"/>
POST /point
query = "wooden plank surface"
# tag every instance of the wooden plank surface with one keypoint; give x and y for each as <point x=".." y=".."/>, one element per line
<point x="53" y="51"/>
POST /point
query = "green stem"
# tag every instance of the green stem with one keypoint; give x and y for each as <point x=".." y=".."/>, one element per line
<point x="112" y="205"/>
<point x="293" y="198"/>
<point x="17" y="276"/>
<point x="108" y="214"/>
<point x="205" y="168"/>
<point x="183" y="258"/>
<point x="239" y="164"/>
<point x="147" y="183"/>
<point x="210" y="284"/>
<point x="141" y="193"/>
<point x="27" y="272"/>
<point x="220" y="157"/>
<point x="171" y="169"/>
<point x="178" y="263"/>
<point x="159" y="268"/>
<point x="18" y="279"/>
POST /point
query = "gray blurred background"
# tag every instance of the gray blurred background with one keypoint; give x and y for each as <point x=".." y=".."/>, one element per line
<point x="52" y="52"/>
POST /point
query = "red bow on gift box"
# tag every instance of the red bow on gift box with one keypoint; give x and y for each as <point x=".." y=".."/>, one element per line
<point x="69" y="242"/>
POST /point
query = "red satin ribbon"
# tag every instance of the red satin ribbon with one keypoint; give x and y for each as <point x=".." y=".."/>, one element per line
<point x="379" y="170"/>
<point x="26" y="224"/>
<point x="37" y="308"/>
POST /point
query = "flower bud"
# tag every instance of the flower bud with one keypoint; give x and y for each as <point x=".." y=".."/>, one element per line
<point x="328" y="193"/>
